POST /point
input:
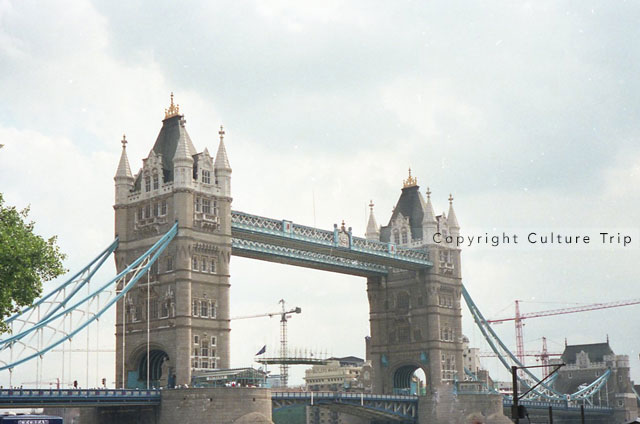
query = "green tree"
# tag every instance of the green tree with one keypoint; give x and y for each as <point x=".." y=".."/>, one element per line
<point x="26" y="260"/>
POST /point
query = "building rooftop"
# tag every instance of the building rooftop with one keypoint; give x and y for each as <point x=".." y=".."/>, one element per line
<point x="596" y="352"/>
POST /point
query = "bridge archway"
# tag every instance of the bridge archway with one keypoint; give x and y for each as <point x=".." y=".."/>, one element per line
<point x="160" y="369"/>
<point x="409" y="379"/>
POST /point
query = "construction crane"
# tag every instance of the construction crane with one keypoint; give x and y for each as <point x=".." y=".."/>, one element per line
<point x="284" y="317"/>
<point x="543" y="356"/>
<point x="562" y="311"/>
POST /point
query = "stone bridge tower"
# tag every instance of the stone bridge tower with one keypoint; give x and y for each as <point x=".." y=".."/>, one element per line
<point x="188" y="287"/>
<point x="415" y="317"/>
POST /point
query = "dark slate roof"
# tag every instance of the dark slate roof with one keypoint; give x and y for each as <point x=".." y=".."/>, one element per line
<point x="596" y="352"/>
<point x="410" y="205"/>
<point x="166" y="144"/>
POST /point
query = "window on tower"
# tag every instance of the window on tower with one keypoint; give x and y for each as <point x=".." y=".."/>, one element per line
<point x="164" y="309"/>
<point x="204" y="309"/>
<point x="405" y="236"/>
<point x="169" y="263"/>
<point x="153" y="308"/>
<point x="198" y="204"/>
<point x="194" y="264"/>
<point x="206" y="206"/>
<point x="396" y="237"/>
<point x="147" y="183"/>
<point x="206" y="176"/>
<point x="155" y="182"/>
<point x="163" y="208"/>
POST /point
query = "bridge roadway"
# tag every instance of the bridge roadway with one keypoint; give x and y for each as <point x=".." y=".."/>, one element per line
<point x="73" y="398"/>
<point x="399" y="408"/>
<point x="560" y="410"/>
<point x="389" y="407"/>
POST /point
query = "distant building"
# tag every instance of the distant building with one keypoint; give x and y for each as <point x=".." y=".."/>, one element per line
<point x="585" y="363"/>
<point x="470" y="357"/>
<point x="339" y="374"/>
<point x="234" y="377"/>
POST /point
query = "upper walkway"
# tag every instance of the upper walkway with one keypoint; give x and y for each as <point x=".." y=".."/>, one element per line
<point x="338" y="250"/>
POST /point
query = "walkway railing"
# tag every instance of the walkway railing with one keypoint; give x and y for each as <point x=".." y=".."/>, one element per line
<point x="77" y="397"/>
<point x="267" y="236"/>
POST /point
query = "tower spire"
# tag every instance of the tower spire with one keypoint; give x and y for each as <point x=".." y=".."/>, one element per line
<point x="222" y="161"/>
<point x="373" y="231"/>
<point x="452" y="220"/>
<point x="429" y="214"/>
<point x="183" y="153"/>
<point x="124" y="171"/>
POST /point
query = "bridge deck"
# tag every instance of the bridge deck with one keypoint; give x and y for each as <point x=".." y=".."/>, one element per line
<point x="38" y="398"/>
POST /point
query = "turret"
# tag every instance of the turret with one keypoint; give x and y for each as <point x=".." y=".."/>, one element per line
<point x="123" y="177"/>
<point x="452" y="221"/>
<point x="429" y="223"/>
<point x="373" y="231"/>
<point x="182" y="162"/>
<point x="222" y="169"/>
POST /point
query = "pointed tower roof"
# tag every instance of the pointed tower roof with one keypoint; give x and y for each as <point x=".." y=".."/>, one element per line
<point x="172" y="131"/>
<point x="183" y="152"/>
<point x="373" y="232"/>
<point x="429" y="214"/>
<point x="411" y="205"/>
<point x="222" y="161"/>
<point x="123" y="167"/>
<point x="451" y="216"/>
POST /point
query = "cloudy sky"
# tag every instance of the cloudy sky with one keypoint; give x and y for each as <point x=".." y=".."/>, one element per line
<point x="528" y="112"/>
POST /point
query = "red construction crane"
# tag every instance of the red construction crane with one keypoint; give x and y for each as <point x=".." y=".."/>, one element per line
<point x="519" y="317"/>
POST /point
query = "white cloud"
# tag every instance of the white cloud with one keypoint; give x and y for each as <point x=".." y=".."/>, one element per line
<point x="325" y="108"/>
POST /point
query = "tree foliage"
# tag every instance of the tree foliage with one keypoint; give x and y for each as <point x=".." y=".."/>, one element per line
<point x="26" y="260"/>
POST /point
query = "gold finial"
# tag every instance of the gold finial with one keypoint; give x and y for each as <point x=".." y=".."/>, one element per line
<point x="428" y="193"/>
<point x="410" y="181"/>
<point x="371" y="205"/>
<point x="221" y="133"/>
<point x="450" y="198"/>
<point x="124" y="141"/>
<point x="174" y="109"/>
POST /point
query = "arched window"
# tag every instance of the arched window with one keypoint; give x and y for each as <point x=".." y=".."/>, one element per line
<point x="147" y="183"/>
<point x="405" y="236"/>
<point x="156" y="182"/>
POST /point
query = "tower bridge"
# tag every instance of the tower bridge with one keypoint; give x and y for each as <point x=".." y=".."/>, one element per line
<point x="175" y="235"/>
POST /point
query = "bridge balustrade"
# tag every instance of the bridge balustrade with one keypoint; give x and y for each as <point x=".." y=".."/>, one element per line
<point x="508" y="402"/>
<point x="269" y="236"/>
